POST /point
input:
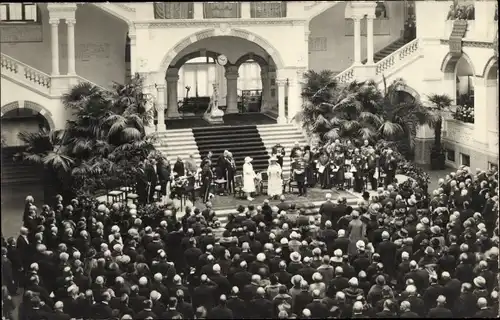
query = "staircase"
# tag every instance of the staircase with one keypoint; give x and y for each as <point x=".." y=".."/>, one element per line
<point x="18" y="172"/>
<point x="242" y="141"/>
<point x="178" y="143"/>
<point x="387" y="50"/>
<point x="284" y="134"/>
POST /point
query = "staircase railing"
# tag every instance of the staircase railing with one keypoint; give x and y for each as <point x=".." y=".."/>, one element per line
<point x="345" y="76"/>
<point x="403" y="53"/>
<point x="24" y="72"/>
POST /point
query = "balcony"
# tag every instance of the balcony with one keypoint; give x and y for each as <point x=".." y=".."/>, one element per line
<point x="220" y="10"/>
<point x="173" y="10"/>
<point x="268" y="9"/>
<point x="459" y="132"/>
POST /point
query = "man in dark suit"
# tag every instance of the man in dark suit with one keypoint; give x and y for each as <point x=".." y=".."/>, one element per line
<point x="152" y="175"/>
<point x="221" y="311"/>
<point x="207" y="159"/>
<point x="299" y="175"/>
<point x="440" y="311"/>
<point x="179" y="169"/>
<point x="163" y="169"/>
<point x="339" y="211"/>
<point x="141" y="181"/>
<point x="327" y="209"/>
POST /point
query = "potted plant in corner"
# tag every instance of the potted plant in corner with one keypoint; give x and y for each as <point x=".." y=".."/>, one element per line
<point x="440" y="103"/>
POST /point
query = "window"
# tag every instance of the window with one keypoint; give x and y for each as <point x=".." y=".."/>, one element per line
<point x="18" y="12"/>
<point x="465" y="160"/>
<point x="450" y="155"/>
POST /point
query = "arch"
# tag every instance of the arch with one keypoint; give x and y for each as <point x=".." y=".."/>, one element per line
<point x="29" y="105"/>
<point x="192" y="55"/>
<point x="257" y="58"/>
<point x="104" y="7"/>
<point x="492" y="62"/>
<point x="450" y="62"/>
<point x="208" y="33"/>
<point x="406" y="88"/>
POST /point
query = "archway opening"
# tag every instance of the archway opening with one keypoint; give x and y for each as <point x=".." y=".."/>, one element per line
<point x="250" y="87"/>
<point x="21" y="120"/>
<point x="464" y="84"/>
<point x="241" y="72"/>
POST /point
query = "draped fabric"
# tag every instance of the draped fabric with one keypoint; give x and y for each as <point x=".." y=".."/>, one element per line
<point x="173" y="10"/>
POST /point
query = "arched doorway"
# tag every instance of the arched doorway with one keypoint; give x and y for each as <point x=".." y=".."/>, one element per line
<point x="458" y="80"/>
<point x="245" y="80"/>
<point x="21" y="178"/>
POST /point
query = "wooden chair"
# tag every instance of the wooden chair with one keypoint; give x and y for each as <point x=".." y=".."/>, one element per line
<point x="125" y="191"/>
<point x="238" y="186"/>
<point x="292" y="184"/>
<point x="264" y="182"/>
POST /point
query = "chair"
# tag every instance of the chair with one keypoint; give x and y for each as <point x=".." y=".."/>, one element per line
<point x="286" y="182"/>
<point x="238" y="186"/>
<point x="125" y="191"/>
<point x="292" y="184"/>
<point x="264" y="182"/>
<point x="115" y="195"/>
<point x="157" y="193"/>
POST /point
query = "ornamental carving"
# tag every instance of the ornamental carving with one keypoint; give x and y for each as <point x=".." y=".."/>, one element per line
<point x="173" y="10"/>
<point x="459" y="132"/>
<point x="205" y="34"/>
<point x="267" y="9"/>
<point x="215" y="24"/>
<point x="21" y="33"/>
<point x="317" y="44"/>
<point x="218" y="10"/>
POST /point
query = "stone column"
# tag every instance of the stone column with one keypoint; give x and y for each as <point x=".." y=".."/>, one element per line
<point x="160" y="107"/>
<point x="54" y="45"/>
<point x="133" y="54"/>
<point x="232" y="89"/>
<point x="369" y="38"/>
<point x="481" y="112"/>
<point x="172" y="79"/>
<point x="197" y="10"/>
<point x="70" y="23"/>
<point x="357" y="39"/>
<point x="281" y="100"/>
<point x="266" y="87"/>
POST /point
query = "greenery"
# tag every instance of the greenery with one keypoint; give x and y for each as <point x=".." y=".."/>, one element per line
<point x="464" y="113"/>
<point x="100" y="147"/>
<point x="439" y="104"/>
<point x="361" y="111"/>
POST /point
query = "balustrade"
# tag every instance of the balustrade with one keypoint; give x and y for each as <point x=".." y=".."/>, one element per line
<point x="394" y="58"/>
<point x="20" y="70"/>
<point x="345" y="76"/>
<point x="217" y="10"/>
<point x="268" y="9"/>
<point x="173" y="10"/>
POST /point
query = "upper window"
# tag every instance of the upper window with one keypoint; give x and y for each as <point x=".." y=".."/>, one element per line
<point x="25" y="12"/>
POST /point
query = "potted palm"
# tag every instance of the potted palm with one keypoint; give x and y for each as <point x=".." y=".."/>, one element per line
<point x="440" y="103"/>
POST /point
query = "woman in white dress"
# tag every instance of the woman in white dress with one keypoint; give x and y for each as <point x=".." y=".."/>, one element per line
<point x="248" y="178"/>
<point x="274" y="181"/>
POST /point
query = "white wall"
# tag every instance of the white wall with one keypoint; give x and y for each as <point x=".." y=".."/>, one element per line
<point x="339" y="53"/>
<point x="99" y="46"/>
<point x="12" y="127"/>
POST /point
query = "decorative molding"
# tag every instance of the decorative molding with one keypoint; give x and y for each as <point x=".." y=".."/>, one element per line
<point x="240" y="33"/>
<point x="29" y="105"/>
<point x="124" y="7"/>
<point x="19" y="33"/>
<point x="216" y="23"/>
<point x="473" y="44"/>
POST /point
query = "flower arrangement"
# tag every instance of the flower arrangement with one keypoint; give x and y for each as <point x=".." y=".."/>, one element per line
<point x="464" y="114"/>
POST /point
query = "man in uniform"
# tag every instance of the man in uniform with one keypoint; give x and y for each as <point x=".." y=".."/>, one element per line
<point x="299" y="175"/>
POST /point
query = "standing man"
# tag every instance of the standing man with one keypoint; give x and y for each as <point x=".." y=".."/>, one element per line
<point x="141" y="183"/>
<point x="231" y="171"/>
<point x="390" y="168"/>
<point x="163" y="169"/>
<point x="152" y="174"/>
<point x="206" y="181"/>
<point x="179" y="170"/>
<point x="299" y="175"/>
<point x="208" y="159"/>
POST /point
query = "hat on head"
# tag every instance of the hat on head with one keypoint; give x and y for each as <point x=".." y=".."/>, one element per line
<point x="479" y="282"/>
<point x="248" y="159"/>
<point x="360" y="245"/>
<point x="295" y="256"/>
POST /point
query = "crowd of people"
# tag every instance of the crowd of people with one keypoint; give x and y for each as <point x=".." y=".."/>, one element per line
<point x="399" y="253"/>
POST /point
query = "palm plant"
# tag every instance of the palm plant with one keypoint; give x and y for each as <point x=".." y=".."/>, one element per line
<point x="439" y="104"/>
<point x="46" y="148"/>
<point x="402" y="118"/>
<point x="104" y="140"/>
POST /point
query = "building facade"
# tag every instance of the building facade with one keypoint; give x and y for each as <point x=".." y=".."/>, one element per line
<point x="47" y="48"/>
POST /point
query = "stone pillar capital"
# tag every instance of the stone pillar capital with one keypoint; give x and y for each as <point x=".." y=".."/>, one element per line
<point x="232" y="69"/>
<point x="281" y="82"/>
<point x="172" y="75"/>
<point x="54" y="21"/>
<point x="231" y="75"/>
<point x="70" y="21"/>
<point x="357" y="17"/>
<point x="371" y="17"/>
